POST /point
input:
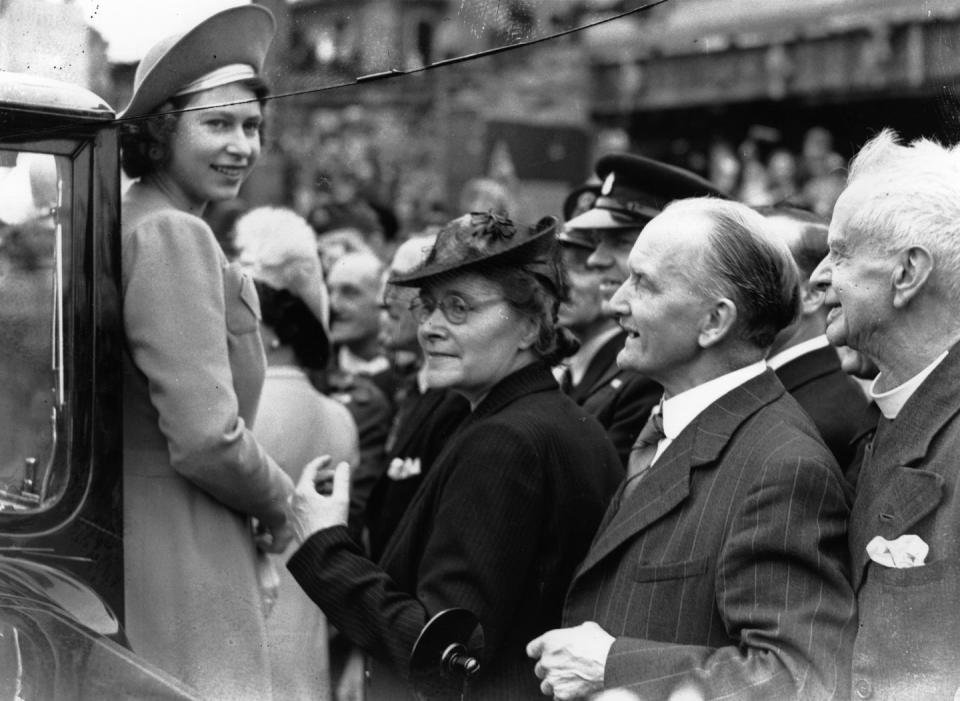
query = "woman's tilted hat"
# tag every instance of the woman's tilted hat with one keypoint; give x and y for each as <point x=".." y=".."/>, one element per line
<point x="487" y="238"/>
<point x="227" y="42"/>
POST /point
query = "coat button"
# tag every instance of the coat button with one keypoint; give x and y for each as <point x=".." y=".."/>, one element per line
<point x="863" y="689"/>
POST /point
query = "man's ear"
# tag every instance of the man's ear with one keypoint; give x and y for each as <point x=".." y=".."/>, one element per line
<point x="718" y="322"/>
<point x="811" y="298"/>
<point x="910" y="274"/>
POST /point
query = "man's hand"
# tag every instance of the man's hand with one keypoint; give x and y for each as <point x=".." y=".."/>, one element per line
<point x="312" y="511"/>
<point x="571" y="661"/>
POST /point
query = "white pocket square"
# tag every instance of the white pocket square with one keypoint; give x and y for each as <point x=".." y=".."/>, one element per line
<point x="905" y="551"/>
<point x="402" y="468"/>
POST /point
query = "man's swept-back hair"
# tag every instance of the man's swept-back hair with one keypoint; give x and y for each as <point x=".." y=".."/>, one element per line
<point x="747" y="264"/>
<point x="908" y="196"/>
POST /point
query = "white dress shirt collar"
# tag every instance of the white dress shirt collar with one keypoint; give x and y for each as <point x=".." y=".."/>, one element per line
<point x="793" y="352"/>
<point x="683" y="408"/>
<point x="892" y="401"/>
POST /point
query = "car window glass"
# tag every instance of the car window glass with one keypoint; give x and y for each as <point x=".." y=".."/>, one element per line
<point x="31" y="327"/>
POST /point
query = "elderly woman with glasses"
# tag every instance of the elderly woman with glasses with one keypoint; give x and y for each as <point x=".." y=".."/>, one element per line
<point x="511" y="505"/>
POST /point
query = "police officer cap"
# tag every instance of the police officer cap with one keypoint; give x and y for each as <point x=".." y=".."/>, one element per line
<point x="636" y="189"/>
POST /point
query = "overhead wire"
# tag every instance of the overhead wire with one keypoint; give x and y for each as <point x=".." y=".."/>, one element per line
<point x="390" y="74"/>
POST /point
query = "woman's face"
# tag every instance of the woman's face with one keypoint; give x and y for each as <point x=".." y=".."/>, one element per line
<point x="492" y="342"/>
<point x="213" y="150"/>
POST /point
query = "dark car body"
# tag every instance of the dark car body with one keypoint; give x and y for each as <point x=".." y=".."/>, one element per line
<point x="61" y="530"/>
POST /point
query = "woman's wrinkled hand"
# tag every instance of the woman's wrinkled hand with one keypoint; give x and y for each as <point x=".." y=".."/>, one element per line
<point x="311" y="510"/>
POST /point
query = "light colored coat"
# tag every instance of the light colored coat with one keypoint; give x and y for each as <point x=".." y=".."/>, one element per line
<point x="296" y="424"/>
<point x="193" y="472"/>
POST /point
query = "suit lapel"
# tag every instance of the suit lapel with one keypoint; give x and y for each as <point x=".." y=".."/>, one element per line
<point x="892" y="494"/>
<point x="667" y="483"/>
<point x="423" y="408"/>
<point x="601" y="369"/>
<point x="808" y="367"/>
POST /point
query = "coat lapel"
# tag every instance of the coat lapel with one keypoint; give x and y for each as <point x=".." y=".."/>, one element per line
<point x="667" y="484"/>
<point x="423" y="407"/>
<point x="898" y="484"/>
<point x="602" y="369"/>
<point x="808" y="367"/>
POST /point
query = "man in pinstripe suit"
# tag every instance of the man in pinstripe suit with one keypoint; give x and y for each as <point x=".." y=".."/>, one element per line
<point x="723" y="563"/>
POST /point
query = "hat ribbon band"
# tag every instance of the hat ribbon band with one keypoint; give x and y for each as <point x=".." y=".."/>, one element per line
<point x="221" y="76"/>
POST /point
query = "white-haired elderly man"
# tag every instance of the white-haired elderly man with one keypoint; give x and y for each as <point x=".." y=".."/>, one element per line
<point x="894" y="273"/>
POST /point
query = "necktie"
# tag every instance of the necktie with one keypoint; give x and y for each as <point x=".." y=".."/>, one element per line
<point x="644" y="450"/>
<point x="566" y="381"/>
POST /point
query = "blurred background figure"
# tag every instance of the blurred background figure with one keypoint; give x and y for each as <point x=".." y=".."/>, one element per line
<point x="354" y="283"/>
<point x="346" y="228"/>
<point x="782" y="176"/>
<point x="359" y="374"/>
<point x="295" y="423"/>
<point x="425" y="418"/>
<point x="805" y="362"/>
<point x="486" y="195"/>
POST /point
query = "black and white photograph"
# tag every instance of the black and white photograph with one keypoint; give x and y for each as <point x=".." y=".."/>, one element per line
<point x="479" y="350"/>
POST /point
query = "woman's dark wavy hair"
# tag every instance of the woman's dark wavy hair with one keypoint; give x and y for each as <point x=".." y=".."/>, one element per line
<point x="295" y="325"/>
<point x="536" y="288"/>
<point x="144" y="142"/>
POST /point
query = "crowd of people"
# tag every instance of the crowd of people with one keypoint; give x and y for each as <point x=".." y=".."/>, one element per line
<point x="634" y="443"/>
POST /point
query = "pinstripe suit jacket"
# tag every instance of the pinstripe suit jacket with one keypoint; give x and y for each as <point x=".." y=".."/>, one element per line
<point x="727" y="566"/>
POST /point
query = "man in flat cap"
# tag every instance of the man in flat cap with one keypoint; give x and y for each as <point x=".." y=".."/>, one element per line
<point x="595" y="247"/>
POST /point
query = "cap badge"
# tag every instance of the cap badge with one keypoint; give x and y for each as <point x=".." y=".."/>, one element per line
<point x="607" y="186"/>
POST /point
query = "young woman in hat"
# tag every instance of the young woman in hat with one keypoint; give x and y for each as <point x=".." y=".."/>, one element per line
<point x="511" y="504"/>
<point x="195" y="478"/>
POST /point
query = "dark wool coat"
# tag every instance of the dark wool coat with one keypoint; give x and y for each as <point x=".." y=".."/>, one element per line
<point x="423" y="425"/>
<point x="727" y="565"/>
<point x="831" y="397"/>
<point x="497" y="527"/>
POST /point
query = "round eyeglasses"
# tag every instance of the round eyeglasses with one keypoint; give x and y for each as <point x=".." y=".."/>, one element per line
<point x="453" y="307"/>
